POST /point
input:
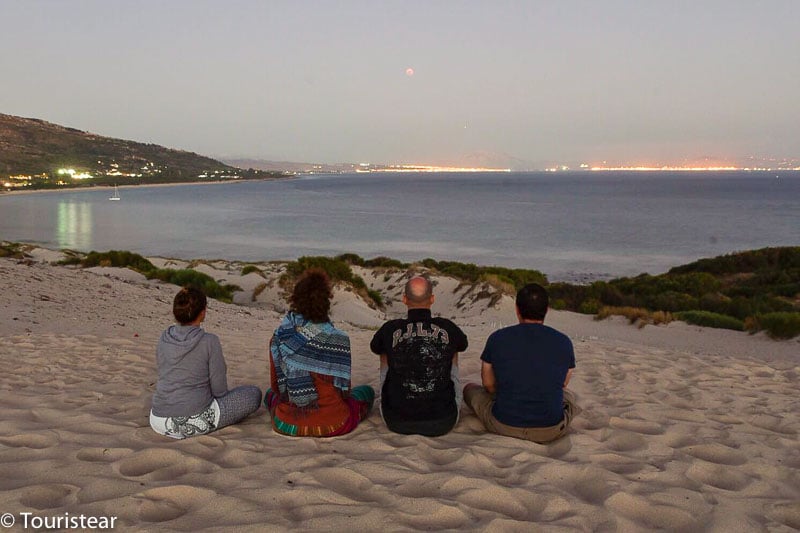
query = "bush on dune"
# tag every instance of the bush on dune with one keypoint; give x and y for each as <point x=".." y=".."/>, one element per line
<point x="518" y="277"/>
<point x="635" y="315"/>
<point x="750" y="261"/>
<point x="710" y="320"/>
<point x="182" y="278"/>
<point x="249" y="269"/>
<point x="193" y="278"/>
<point x="11" y="249"/>
<point x="337" y="269"/>
<point x="120" y="259"/>
<point x="777" y="325"/>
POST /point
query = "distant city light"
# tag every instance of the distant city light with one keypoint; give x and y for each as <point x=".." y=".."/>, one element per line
<point x="72" y="173"/>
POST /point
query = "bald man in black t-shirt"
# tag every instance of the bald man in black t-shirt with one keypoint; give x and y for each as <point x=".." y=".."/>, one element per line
<point x="420" y="392"/>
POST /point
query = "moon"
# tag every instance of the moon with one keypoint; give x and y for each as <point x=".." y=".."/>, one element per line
<point x="409" y="72"/>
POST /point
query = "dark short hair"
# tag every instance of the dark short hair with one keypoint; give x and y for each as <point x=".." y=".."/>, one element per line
<point x="532" y="302"/>
<point x="312" y="295"/>
<point x="188" y="304"/>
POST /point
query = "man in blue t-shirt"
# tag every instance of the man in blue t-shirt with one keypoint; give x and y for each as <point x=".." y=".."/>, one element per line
<point x="525" y="370"/>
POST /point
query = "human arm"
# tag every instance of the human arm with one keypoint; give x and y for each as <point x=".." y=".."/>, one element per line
<point x="217" y="369"/>
<point x="569" y="376"/>
<point x="273" y="378"/>
<point x="488" y="378"/>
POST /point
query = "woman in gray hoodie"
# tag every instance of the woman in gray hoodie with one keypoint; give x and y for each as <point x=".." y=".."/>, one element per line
<point x="192" y="396"/>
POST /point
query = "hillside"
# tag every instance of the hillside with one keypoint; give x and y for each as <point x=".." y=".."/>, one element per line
<point x="33" y="151"/>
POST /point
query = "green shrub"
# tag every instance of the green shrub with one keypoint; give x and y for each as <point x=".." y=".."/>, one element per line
<point x="590" y="306"/>
<point x="672" y="301"/>
<point x="337" y="269"/>
<point x="384" y="262"/>
<point x="249" y="269"/>
<point x="716" y="303"/>
<point x="711" y="320"/>
<point x="519" y="277"/>
<point x="779" y="325"/>
<point x="501" y="283"/>
<point x="118" y="258"/>
<point x="193" y="278"/>
<point x="749" y="261"/>
<point x="11" y="249"/>
<point x="70" y="258"/>
<point x="353" y="259"/>
<point x="376" y="297"/>
<point x="634" y="315"/>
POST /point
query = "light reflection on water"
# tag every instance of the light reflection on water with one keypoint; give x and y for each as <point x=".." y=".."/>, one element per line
<point x="74" y="227"/>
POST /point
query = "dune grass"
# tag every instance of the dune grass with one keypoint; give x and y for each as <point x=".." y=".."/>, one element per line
<point x="182" y="278"/>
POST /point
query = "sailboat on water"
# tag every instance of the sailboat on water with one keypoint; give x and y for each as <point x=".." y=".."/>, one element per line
<point x="115" y="197"/>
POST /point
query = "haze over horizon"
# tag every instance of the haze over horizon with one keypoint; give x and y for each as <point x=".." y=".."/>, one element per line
<point x="415" y="82"/>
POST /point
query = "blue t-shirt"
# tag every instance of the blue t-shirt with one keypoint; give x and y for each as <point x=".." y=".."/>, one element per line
<point x="530" y="363"/>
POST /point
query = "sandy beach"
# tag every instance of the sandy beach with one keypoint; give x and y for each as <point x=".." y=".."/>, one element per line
<point x="683" y="428"/>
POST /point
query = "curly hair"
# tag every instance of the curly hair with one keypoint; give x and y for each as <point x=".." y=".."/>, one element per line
<point x="312" y="295"/>
<point x="188" y="304"/>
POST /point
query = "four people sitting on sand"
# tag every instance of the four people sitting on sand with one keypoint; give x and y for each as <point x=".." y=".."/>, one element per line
<point x="310" y="368"/>
<point x="420" y="389"/>
<point x="525" y="370"/>
<point x="192" y="396"/>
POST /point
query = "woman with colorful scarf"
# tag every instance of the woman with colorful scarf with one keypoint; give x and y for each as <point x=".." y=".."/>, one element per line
<point x="310" y="368"/>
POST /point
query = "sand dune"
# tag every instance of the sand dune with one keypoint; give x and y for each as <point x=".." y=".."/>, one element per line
<point x="683" y="428"/>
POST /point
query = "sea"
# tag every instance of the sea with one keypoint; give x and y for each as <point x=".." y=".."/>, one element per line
<point x="576" y="227"/>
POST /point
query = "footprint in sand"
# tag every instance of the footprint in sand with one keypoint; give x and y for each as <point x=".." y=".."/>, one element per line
<point x="651" y="516"/>
<point x="721" y="477"/>
<point x="37" y="441"/>
<point x="168" y="503"/>
<point x="49" y="496"/>
<point x="787" y="514"/>
<point x="637" y="425"/>
<point x="346" y="482"/>
<point x="439" y="457"/>
<point x="774" y="423"/>
<point x="716" y="453"/>
<point x="501" y="501"/>
<point x="623" y="441"/>
<point x="161" y="464"/>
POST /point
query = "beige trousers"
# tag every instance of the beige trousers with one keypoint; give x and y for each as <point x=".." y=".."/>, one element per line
<point x="482" y="402"/>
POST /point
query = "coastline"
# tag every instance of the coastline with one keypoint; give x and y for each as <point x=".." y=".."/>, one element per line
<point x="131" y="186"/>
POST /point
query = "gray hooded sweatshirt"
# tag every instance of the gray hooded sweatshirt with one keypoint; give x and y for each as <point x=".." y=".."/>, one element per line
<point x="191" y="371"/>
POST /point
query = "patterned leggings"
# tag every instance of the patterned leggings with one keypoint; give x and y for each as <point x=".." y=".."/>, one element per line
<point x="239" y="403"/>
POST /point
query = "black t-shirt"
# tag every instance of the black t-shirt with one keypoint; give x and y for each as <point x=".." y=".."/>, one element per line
<point x="420" y="352"/>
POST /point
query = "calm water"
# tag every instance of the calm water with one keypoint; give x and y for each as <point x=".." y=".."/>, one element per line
<point x="563" y="224"/>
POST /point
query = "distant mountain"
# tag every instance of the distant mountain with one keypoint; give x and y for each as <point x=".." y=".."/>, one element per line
<point x="34" y="151"/>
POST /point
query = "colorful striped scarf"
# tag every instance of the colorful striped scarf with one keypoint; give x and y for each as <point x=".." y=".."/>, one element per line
<point x="300" y="347"/>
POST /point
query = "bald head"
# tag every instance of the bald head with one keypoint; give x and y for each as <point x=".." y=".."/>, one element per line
<point x="418" y="292"/>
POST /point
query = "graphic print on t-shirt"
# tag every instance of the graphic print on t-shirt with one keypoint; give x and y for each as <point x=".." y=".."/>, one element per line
<point x="419" y="356"/>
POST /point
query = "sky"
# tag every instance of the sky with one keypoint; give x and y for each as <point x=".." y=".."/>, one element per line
<point x="328" y="81"/>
